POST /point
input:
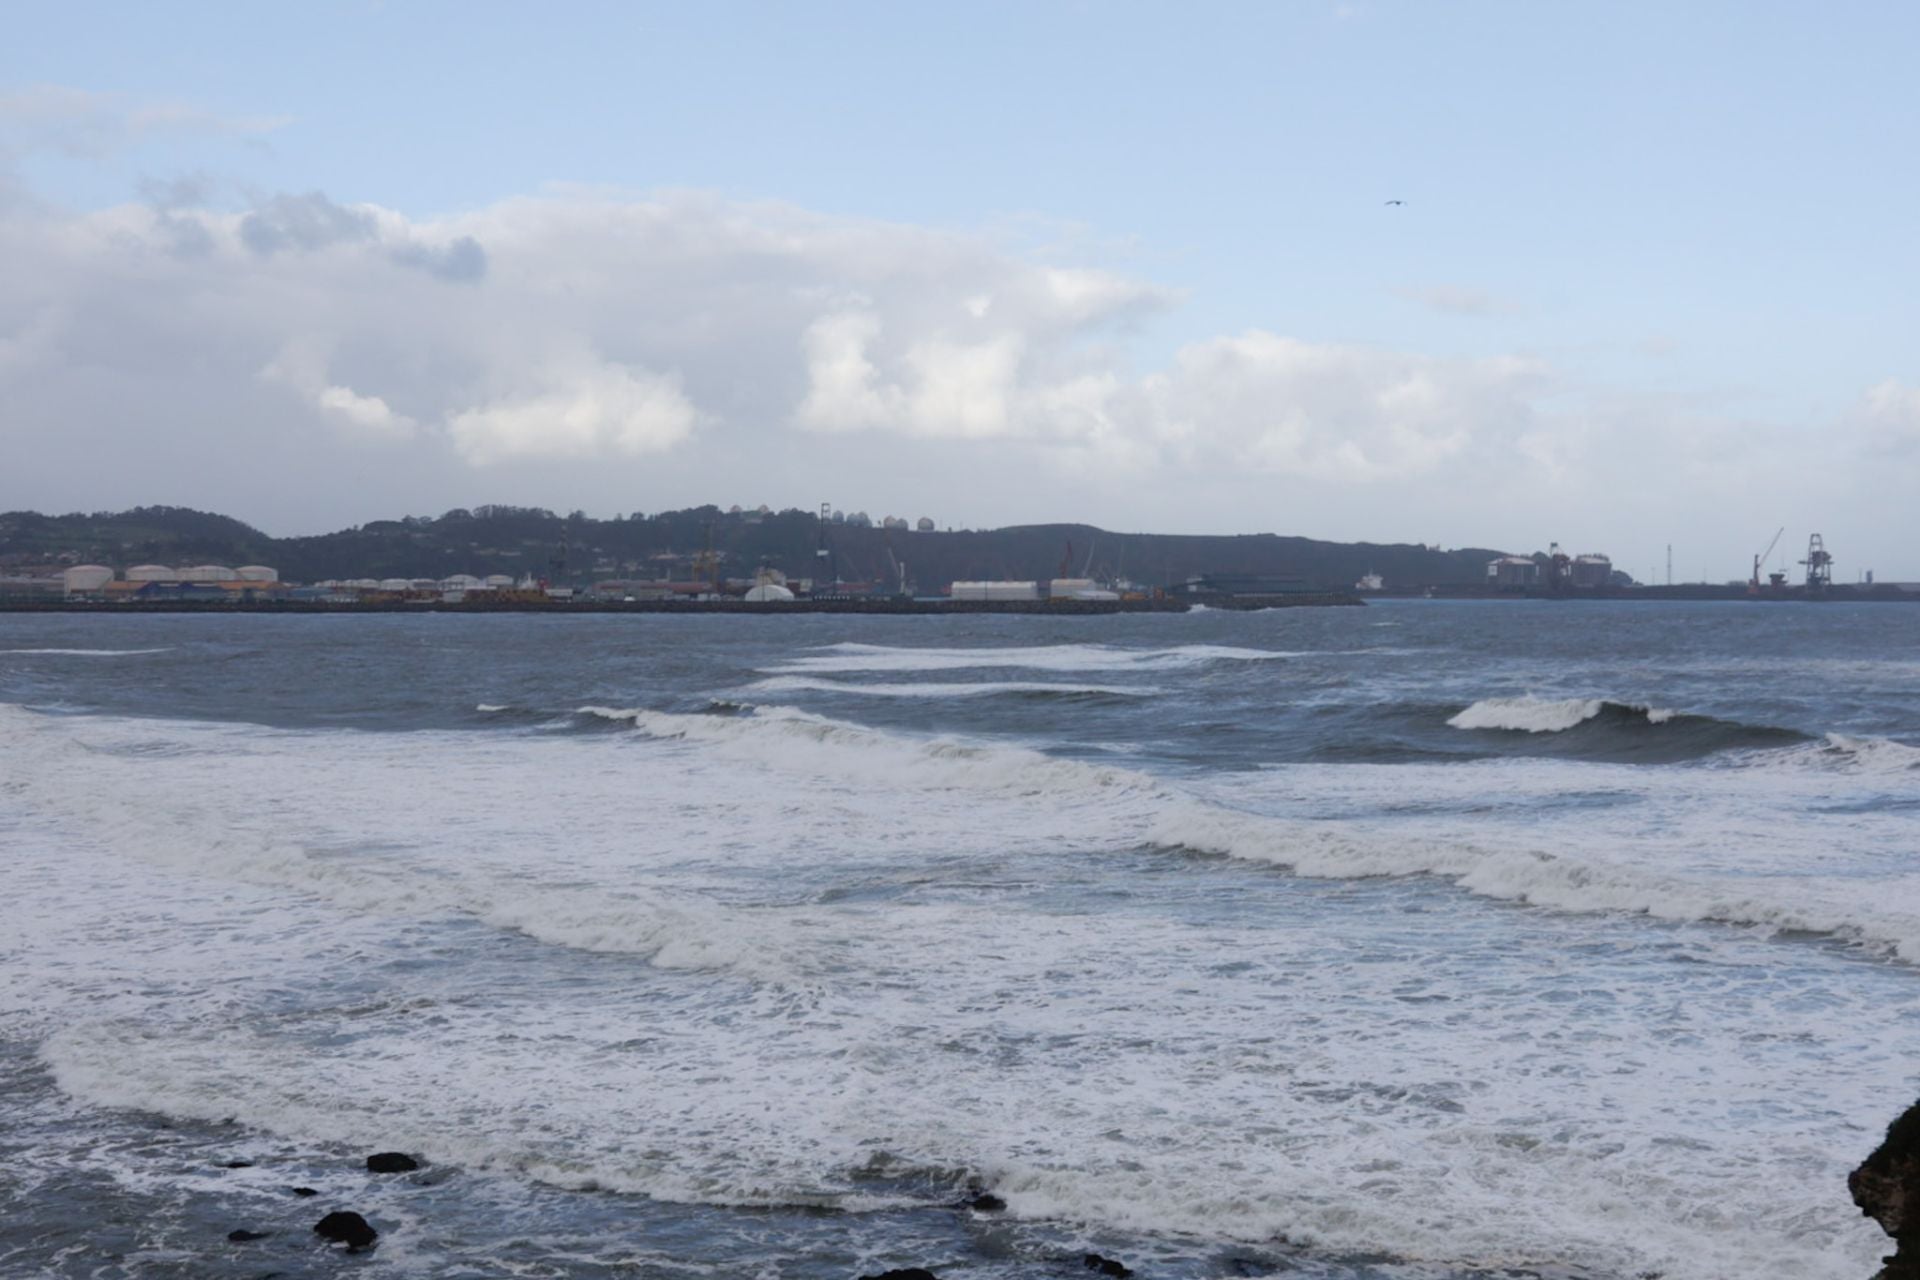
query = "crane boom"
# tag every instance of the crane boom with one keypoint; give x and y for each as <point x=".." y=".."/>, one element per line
<point x="1754" y="583"/>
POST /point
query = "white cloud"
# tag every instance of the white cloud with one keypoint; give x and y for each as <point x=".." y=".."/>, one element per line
<point x="1459" y="300"/>
<point x="1335" y="413"/>
<point x="370" y="414"/>
<point x="843" y="392"/>
<point x="640" y="352"/>
<point x="1892" y="408"/>
<point x="80" y="122"/>
<point x="593" y="410"/>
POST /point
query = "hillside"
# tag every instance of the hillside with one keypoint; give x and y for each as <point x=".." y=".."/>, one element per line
<point x="518" y="540"/>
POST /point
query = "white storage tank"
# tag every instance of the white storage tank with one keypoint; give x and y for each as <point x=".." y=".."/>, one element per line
<point x="84" y="579"/>
<point x="257" y="573"/>
<point x="499" y="581"/>
<point x="206" y="573"/>
<point x="395" y="584"/>
<point x="152" y="573"/>
<point x="768" y="593"/>
<point x="460" y="582"/>
<point x="996" y="591"/>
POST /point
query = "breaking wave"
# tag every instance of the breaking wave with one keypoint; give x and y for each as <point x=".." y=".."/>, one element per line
<point x="933" y="689"/>
<point x="852" y="657"/>
<point x="1872" y="755"/>
<point x="1135" y="806"/>
<point x="1539" y="878"/>
<point x="1605" y="729"/>
<point x="89" y="653"/>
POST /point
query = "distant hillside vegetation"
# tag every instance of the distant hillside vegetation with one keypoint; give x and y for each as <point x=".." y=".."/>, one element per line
<point x="519" y="540"/>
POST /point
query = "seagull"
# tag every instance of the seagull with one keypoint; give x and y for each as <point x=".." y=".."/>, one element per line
<point x="1396" y="202"/>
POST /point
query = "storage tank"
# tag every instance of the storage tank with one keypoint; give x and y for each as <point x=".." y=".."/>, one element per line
<point x="460" y="582"/>
<point x="499" y="581"/>
<point x="395" y="584"/>
<point x="206" y="573"/>
<point x="1069" y="588"/>
<point x="83" y="579"/>
<point x="768" y="593"/>
<point x="152" y="573"/>
<point x="1592" y="571"/>
<point x="257" y="573"/>
<point x="996" y="591"/>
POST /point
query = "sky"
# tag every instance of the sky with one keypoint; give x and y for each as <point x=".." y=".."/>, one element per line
<point x="1653" y="280"/>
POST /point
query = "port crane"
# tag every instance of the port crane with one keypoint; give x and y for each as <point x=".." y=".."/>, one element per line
<point x="1819" y="564"/>
<point x="1753" y="584"/>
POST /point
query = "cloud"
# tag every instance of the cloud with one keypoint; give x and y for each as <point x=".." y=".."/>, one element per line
<point x="620" y="351"/>
<point x="1267" y="403"/>
<point x="463" y="261"/>
<point x="307" y="222"/>
<point x="1458" y="300"/>
<point x="365" y="413"/>
<point x="1892" y="412"/>
<point x="89" y="125"/>
<point x="311" y="223"/>
<point x="592" y="410"/>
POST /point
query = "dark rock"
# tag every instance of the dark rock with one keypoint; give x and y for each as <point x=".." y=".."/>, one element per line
<point x="904" y="1273"/>
<point x="1886" y="1186"/>
<point x="243" y="1235"/>
<point x="986" y="1202"/>
<point x="239" y="1164"/>
<point x="1105" y="1266"/>
<point x="303" y="1192"/>
<point x="391" y="1162"/>
<point x="346" y="1228"/>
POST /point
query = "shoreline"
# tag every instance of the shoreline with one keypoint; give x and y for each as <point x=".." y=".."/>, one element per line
<point x="884" y="607"/>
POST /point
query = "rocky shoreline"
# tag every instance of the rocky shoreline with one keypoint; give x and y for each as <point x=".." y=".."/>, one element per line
<point x="1886" y="1186"/>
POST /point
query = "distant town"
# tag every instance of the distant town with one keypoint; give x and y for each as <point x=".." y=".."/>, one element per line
<point x="761" y="559"/>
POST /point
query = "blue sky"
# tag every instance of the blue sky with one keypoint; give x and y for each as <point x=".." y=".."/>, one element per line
<point x="1698" y="220"/>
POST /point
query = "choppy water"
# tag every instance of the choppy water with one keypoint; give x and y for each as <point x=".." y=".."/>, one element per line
<point x="1424" y="940"/>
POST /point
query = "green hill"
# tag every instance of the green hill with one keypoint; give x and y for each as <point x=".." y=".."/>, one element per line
<point x="521" y="540"/>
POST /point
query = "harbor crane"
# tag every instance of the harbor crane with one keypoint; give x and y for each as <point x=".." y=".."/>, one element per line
<point x="1753" y="584"/>
<point x="1819" y="564"/>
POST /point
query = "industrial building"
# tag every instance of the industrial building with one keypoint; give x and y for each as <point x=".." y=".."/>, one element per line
<point x="165" y="582"/>
<point x="1513" y="571"/>
<point x="995" y="591"/>
<point x="1590" y="571"/>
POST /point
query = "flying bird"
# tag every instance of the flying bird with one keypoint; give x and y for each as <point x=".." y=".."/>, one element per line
<point x="1396" y="202"/>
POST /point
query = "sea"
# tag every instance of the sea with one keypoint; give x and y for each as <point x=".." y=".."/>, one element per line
<point x="1422" y="941"/>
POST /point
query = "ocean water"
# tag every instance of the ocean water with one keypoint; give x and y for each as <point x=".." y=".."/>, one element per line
<point x="1428" y="940"/>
